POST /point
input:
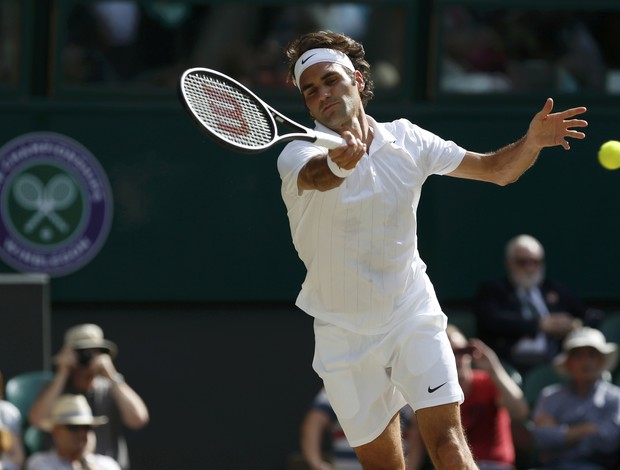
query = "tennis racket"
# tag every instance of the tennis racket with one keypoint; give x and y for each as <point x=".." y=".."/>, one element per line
<point x="236" y="118"/>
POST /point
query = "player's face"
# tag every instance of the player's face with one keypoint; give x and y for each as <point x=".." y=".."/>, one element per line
<point x="330" y="94"/>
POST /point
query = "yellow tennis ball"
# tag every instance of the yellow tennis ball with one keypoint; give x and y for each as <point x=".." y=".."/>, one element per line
<point x="609" y="155"/>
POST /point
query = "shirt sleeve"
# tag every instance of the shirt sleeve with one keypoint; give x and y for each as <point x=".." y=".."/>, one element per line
<point x="609" y="427"/>
<point x="292" y="159"/>
<point x="437" y="156"/>
<point x="10" y="417"/>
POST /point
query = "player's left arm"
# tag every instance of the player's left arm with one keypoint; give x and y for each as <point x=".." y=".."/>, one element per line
<point x="507" y="164"/>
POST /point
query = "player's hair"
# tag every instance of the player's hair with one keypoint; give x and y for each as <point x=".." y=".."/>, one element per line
<point x="331" y="40"/>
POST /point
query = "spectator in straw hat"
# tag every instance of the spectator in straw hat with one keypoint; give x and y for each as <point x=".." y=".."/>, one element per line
<point x="71" y="424"/>
<point x="85" y="366"/>
<point x="577" y="423"/>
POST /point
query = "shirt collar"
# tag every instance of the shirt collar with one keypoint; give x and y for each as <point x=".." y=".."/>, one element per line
<point x="382" y="135"/>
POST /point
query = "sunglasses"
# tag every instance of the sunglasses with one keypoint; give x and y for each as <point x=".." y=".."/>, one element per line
<point x="527" y="261"/>
<point x="84" y="356"/>
<point x="78" y="427"/>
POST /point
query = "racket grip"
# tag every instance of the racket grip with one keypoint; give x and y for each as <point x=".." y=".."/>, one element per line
<point x="329" y="141"/>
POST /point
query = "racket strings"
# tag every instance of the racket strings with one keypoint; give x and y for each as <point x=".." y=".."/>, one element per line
<point x="228" y="112"/>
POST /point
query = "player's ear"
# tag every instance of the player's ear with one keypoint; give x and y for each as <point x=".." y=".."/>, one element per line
<point x="359" y="79"/>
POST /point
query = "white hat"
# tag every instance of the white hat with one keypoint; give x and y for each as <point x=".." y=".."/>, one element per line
<point x="587" y="337"/>
<point x="72" y="409"/>
<point x="89" y="336"/>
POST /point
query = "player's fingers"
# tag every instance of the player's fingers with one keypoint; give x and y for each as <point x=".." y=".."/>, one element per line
<point x="575" y="134"/>
<point x="572" y="112"/>
<point x="354" y="155"/>
<point x="576" y="123"/>
<point x="349" y="138"/>
<point x="546" y="108"/>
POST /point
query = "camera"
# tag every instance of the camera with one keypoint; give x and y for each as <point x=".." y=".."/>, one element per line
<point x="84" y="356"/>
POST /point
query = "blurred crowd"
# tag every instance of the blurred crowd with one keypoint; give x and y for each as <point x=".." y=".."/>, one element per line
<point x="74" y="417"/>
<point x="479" y="50"/>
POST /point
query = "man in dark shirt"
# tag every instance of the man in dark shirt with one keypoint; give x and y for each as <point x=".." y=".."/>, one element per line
<point x="524" y="316"/>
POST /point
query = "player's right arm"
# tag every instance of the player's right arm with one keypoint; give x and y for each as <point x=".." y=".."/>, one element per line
<point x="316" y="173"/>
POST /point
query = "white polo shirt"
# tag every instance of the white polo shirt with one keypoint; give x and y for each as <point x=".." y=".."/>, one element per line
<point x="358" y="242"/>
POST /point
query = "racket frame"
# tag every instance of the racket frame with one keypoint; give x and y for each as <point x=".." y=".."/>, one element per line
<point x="274" y="118"/>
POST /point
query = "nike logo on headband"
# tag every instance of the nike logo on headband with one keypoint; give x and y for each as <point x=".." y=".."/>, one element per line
<point x="306" y="59"/>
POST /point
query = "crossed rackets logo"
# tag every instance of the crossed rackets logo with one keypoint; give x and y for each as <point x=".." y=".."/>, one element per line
<point x="44" y="201"/>
<point x="55" y="204"/>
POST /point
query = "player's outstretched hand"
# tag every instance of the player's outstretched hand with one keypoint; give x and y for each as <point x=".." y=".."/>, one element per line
<point x="548" y="130"/>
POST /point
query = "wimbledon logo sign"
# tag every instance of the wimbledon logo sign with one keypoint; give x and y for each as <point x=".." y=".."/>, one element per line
<point x="55" y="204"/>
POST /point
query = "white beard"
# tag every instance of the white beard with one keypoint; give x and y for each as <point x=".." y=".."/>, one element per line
<point x="526" y="281"/>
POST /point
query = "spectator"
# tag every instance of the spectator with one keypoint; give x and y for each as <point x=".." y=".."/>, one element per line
<point x="84" y="366"/>
<point x="524" y="316"/>
<point x="11" y="446"/>
<point x="577" y="423"/>
<point x="71" y="424"/>
<point x="492" y="400"/>
<point x="320" y="419"/>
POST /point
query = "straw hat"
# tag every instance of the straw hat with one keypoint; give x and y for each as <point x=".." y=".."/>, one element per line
<point x="88" y="336"/>
<point x="584" y="337"/>
<point x="72" y="409"/>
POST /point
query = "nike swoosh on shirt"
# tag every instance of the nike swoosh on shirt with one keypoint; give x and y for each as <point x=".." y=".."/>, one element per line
<point x="306" y="59"/>
<point x="431" y="390"/>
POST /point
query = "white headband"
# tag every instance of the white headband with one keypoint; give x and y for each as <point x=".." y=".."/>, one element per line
<point x="314" y="56"/>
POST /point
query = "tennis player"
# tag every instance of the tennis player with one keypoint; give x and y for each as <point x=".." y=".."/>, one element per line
<point x="380" y="338"/>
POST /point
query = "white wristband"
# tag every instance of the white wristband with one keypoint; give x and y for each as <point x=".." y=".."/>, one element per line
<point x="336" y="170"/>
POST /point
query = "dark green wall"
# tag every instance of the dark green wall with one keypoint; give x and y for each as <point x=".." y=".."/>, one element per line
<point x="194" y="222"/>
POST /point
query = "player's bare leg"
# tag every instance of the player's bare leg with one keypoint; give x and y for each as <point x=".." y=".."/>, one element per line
<point x="386" y="451"/>
<point x="443" y="436"/>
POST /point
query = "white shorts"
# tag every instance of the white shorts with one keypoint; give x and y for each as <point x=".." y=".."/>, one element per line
<point x="369" y="378"/>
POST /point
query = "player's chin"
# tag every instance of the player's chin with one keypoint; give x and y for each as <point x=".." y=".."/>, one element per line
<point x="331" y="119"/>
